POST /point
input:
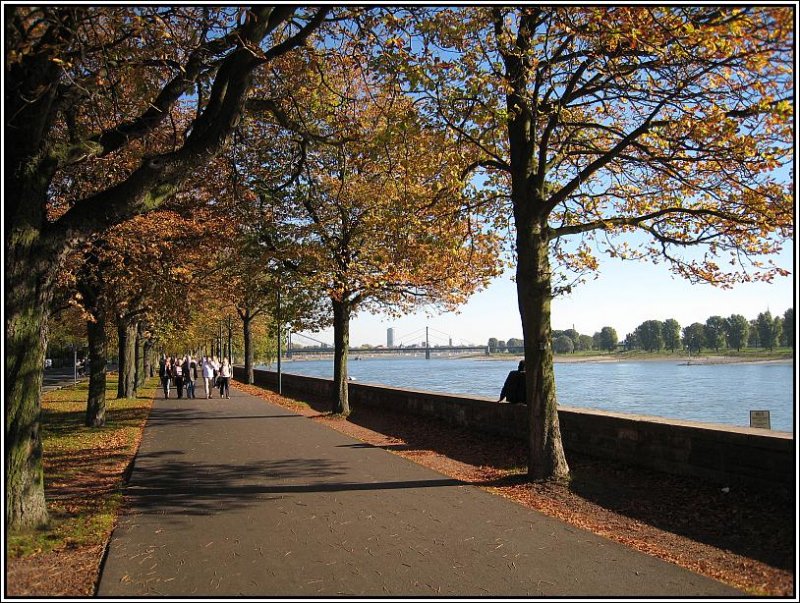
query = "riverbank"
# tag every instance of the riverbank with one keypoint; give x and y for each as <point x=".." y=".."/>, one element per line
<point x="678" y="358"/>
<point x="565" y="358"/>
<point x="758" y="357"/>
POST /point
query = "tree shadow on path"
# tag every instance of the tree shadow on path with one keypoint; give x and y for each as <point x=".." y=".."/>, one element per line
<point x="162" y="485"/>
<point x="753" y="522"/>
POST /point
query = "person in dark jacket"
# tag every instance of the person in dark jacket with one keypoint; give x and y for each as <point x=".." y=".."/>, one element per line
<point x="177" y="375"/>
<point x="165" y="373"/>
<point x="514" y="387"/>
<point x="189" y="375"/>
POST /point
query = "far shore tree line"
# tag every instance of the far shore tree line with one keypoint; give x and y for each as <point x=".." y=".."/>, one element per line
<point x="718" y="333"/>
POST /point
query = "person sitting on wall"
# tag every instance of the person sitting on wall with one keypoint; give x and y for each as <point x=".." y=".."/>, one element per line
<point x="514" y="387"/>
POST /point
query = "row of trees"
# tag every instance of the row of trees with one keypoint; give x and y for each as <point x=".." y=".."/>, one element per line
<point x="563" y="342"/>
<point x="322" y="205"/>
<point x="717" y="333"/>
<point x="570" y="341"/>
<point x="500" y="345"/>
<point x="303" y="164"/>
<point x="735" y="332"/>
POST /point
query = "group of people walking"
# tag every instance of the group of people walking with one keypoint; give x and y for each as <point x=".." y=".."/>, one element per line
<point x="183" y="372"/>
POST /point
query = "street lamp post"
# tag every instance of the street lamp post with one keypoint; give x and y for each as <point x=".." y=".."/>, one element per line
<point x="230" y="340"/>
<point x="280" y="384"/>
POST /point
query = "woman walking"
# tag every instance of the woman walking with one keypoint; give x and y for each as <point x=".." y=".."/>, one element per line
<point x="225" y="375"/>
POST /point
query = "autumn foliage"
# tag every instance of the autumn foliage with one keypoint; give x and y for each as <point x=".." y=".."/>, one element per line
<point x="658" y="133"/>
<point x="379" y="224"/>
<point x="144" y="97"/>
<point x="159" y="157"/>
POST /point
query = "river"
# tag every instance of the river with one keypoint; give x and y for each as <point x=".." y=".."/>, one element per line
<point x="716" y="393"/>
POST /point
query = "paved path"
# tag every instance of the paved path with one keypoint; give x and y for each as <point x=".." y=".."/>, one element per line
<point x="239" y="497"/>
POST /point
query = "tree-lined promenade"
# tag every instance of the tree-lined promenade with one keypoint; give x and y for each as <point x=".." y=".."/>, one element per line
<point x="175" y="172"/>
<point x="64" y="559"/>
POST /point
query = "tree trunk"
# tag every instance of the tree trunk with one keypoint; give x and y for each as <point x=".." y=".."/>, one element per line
<point x="247" y="335"/>
<point x="96" y="403"/>
<point x="534" y="288"/>
<point x="139" y="374"/>
<point x="546" y="458"/>
<point x="31" y="263"/>
<point x="148" y="358"/>
<point x="126" y="333"/>
<point x="25" y="503"/>
<point x="341" y="343"/>
<point x="28" y="284"/>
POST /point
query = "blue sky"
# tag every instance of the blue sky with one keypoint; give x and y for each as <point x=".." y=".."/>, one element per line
<point x="624" y="295"/>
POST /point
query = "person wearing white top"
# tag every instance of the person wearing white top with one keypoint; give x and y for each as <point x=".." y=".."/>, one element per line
<point x="225" y="374"/>
<point x="208" y="376"/>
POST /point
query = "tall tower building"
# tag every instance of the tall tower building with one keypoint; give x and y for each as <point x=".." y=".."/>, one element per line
<point x="390" y="338"/>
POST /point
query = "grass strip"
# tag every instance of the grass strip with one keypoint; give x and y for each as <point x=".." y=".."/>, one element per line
<point x="84" y="469"/>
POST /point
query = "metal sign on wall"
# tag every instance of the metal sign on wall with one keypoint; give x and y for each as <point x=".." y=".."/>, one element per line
<point x="760" y="419"/>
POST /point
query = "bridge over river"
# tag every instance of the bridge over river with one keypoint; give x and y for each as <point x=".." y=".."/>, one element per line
<point x="424" y="343"/>
<point x="425" y="347"/>
<point x="383" y="351"/>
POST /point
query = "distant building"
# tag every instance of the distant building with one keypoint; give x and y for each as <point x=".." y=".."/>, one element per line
<point x="390" y="338"/>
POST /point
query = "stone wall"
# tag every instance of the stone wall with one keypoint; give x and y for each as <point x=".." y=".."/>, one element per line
<point x="721" y="453"/>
